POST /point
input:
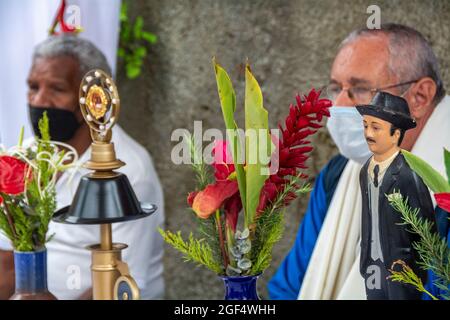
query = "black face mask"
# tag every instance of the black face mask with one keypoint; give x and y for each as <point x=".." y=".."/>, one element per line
<point x="63" y="124"/>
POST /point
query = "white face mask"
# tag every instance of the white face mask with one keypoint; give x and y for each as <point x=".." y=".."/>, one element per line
<point x="347" y="130"/>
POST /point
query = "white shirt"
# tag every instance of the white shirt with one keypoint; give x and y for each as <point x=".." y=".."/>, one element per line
<point x="69" y="261"/>
<point x="383" y="166"/>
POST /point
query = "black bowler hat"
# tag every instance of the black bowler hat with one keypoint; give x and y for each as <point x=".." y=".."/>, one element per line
<point x="393" y="109"/>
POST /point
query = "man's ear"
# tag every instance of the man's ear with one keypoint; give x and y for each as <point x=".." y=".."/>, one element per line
<point x="420" y="97"/>
<point x="397" y="135"/>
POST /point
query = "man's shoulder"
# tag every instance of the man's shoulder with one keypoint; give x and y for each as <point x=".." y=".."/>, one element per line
<point x="333" y="169"/>
<point x="403" y="168"/>
<point x="331" y="174"/>
<point x="138" y="161"/>
<point x="128" y="148"/>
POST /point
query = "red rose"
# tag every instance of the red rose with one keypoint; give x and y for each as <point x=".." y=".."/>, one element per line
<point x="12" y="175"/>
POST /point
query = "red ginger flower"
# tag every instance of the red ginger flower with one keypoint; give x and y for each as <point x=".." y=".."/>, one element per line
<point x="293" y="149"/>
<point x="443" y="200"/>
<point x="13" y="174"/>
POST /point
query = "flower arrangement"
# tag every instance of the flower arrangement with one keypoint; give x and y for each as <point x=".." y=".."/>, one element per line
<point x="27" y="188"/>
<point x="433" y="250"/>
<point x="250" y="186"/>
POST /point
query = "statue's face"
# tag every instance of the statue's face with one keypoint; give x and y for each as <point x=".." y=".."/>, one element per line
<point x="378" y="135"/>
<point x="54" y="83"/>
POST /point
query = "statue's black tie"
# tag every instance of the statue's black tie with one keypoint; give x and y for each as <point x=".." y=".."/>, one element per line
<point x="376" y="170"/>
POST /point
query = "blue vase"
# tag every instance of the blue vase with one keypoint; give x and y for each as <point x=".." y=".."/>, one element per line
<point x="31" y="276"/>
<point x="241" y="287"/>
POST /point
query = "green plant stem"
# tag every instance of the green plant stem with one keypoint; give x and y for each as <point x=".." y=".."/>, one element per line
<point x="408" y="276"/>
<point x="221" y="240"/>
<point x="428" y="293"/>
<point x="9" y="218"/>
<point x="230" y="242"/>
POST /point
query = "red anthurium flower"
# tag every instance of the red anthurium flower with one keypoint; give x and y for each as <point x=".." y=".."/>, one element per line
<point x="12" y="175"/>
<point x="292" y="149"/>
<point x="232" y="207"/>
<point x="209" y="200"/>
<point x="443" y="200"/>
<point x="225" y="192"/>
<point x="190" y="198"/>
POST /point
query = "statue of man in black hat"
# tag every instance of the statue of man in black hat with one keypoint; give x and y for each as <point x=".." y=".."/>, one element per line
<point x="384" y="239"/>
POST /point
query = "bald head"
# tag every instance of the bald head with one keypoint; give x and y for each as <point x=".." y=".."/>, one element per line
<point x="363" y="63"/>
<point x="410" y="56"/>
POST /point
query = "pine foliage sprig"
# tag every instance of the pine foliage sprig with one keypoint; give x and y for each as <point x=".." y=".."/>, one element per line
<point x="193" y="250"/>
<point x="407" y="276"/>
<point x="270" y="225"/>
<point x="433" y="250"/>
<point x="201" y="170"/>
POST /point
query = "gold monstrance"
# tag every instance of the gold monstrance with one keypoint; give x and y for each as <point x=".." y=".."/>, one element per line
<point x="104" y="196"/>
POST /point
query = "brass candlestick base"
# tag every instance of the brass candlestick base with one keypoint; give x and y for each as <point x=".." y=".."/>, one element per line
<point x="110" y="275"/>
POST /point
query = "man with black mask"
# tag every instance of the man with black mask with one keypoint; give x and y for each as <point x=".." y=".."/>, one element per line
<point x="53" y="88"/>
<point x="59" y="63"/>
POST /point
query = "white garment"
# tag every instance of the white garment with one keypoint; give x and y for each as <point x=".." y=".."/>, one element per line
<point x="67" y="256"/>
<point x="333" y="271"/>
<point x="337" y="246"/>
<point x="24" y="24"/>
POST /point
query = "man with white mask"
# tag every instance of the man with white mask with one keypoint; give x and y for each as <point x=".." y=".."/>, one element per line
<point x="324" y="260"/>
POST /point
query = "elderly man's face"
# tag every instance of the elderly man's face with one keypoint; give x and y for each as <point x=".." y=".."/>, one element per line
<point x="361" y="65"/>
<point x="54" y="83"/>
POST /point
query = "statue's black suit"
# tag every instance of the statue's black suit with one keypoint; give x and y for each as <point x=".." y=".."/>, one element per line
<point x="396" y="241"/>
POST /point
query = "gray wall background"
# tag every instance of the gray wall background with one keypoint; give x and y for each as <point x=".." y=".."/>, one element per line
<point x="290" y="46"/>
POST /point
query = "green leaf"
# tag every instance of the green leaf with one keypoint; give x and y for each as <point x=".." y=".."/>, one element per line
<point x="149" y="37"/>
<point x="447" y="163"/>
<point x="228" y="104"/>
<point x="138" y="24"/>
<point x="125" y="34"/>
<point x="430" y="176"/>
<point x="133" y="71"/>
<point x="124" y="12"/>
<point x="121" y="52"/>
<point x="140" y="52"/>
<point x="257" y="134"/>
